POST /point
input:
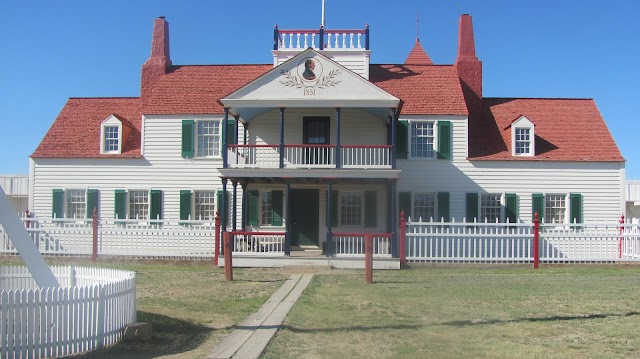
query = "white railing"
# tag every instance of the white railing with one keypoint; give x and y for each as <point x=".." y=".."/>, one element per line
<point x="513" y="242"/>
<point x="130" y="238"/>
<point x="468" y="242"/>
<point x="258" y="243"/>
<point x="254" y="156"/>
<point x="352" y="245"/>
<point x="333" y="39"/>
<point x="90" y="310"/>
<point x="354" y="156"/>
<point x="321" y="156"/>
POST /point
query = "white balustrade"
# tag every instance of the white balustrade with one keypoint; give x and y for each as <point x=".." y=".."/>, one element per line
<point x="352" y="245"/>
<point x="334" y="39"/>
<point x="308" y="156"/>
<point x="258" y="243"/>
<point x="366" y="156"/>
<point x="254" y="156"/>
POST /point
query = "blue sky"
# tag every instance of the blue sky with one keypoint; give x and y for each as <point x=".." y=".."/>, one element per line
<point x="53" y="50"/>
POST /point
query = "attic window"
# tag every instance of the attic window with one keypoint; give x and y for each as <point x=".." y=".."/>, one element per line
<point x="111" y="136"/>
<point x="522" y="137"/>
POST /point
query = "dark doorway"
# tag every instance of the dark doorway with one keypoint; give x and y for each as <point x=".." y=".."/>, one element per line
<point x="316" y="131"/>
<point x="305" y="217"/>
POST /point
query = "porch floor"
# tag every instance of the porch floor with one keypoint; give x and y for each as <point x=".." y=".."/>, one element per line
<point x="308" y="259"/>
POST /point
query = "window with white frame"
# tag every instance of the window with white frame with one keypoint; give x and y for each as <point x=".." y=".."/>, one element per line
<point x="76" y="203"/>
<point x="351" y="208"/>
<point x="522" y="137"/>
<point x="208" y="138"/>
<point x="138" y="204"/>
<point x="204" y="205"/>
<point x="424" y="206"/>
<point x="266" y="208"/>
<point x="490" y="207"/>
<point x="555" y="208"/>
<point x="422" y="139"/>
<point x="111" y="139"/>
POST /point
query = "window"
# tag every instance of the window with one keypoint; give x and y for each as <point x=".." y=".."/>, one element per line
<point x="76" y="205"/>
<point x="422" y="139"/>
<point x="424" y="206"/>
<point x="351" y="208"/>
<point x="490" y="207"/>
<point x="204" y="205"/>
<point x="138" y="204"/>
<point x="555" y="208"/>
<point x="208" y="138"/>
<point x="266" y="208"/>
<point x="522" y="137"/>
<point x="111" y="135"/>
<point x="523" y="141"/>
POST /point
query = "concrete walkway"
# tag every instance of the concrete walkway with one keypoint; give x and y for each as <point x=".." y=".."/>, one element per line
<point x="252" y="336"/>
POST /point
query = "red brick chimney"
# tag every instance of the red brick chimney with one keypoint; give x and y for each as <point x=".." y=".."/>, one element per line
<point x="469" y="68"/>
<point x="159" y="61"/>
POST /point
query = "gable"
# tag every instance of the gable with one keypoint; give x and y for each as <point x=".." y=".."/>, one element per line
<point x="309" y="79"/>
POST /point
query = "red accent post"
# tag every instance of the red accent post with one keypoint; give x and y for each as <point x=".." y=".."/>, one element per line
<point x="27" y="222"/>
<point x="228" y="263"/>
<point x="368" y="258"/>
<point x="621" y="236"/>
<point x="216" y="250"/>
<point x="94" y="253"/>
<point x="403" y="239"/>
<point x="536" y="241"/>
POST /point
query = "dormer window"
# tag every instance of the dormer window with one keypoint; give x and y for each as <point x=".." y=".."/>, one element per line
<point x="522" y="137"/>
<point x="111" y="136"/>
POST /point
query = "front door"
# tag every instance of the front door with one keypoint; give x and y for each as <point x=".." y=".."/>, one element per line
<point x="316" y="131"/>
<point x="305" y="217"/>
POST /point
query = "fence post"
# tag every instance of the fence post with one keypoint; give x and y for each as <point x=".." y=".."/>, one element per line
<point x="228" y="263"/>
<point x="621" y="237"/>
<point x="216" y="251"/>
<point x="27" y="222"/>
<point x="536" y="241"/>
<point x="403" y="239"/>
<point x="368" y="258"/>
<point x="94" y="253"/>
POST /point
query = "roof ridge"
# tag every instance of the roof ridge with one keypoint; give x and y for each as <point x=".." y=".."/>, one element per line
<point x="539" y="98"/>
<point x="106" y="97"/>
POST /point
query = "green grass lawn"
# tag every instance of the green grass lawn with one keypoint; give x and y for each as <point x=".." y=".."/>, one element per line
<point x="466" y="313"/>
<point x="568" y="312"/>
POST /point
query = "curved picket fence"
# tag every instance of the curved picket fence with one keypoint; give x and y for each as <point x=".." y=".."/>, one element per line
<point x="89" y="310"/>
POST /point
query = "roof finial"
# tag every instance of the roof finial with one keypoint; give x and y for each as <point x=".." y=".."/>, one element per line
<point x="417" y="37"/>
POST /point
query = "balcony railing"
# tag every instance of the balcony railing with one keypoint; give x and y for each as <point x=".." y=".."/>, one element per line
<point x="321" y="39"/>
<point x="309" y="156"/>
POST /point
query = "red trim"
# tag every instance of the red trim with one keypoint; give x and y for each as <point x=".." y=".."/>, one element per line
<point x="366" y="146"/>
<point x="309" y="146"/>
<point x="245" y="233"/>
<point x="252" y="146"/>
<point x="318" y="31"/>
<point x="345" y="31"/>
<point x="360" y="234"/>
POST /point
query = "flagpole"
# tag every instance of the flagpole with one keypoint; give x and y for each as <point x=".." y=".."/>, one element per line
<point x="322" y="21"/>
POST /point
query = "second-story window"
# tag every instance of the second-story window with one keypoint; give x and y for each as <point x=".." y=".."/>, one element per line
<point x="422" y="139"/>
<point x="208" y="138"/>
<point x="523" y="141"/>
<point x="111" y="139"/>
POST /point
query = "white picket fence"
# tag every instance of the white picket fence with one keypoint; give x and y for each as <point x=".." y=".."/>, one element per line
<point x="90" y="310"/>
<point x="513" y="242"/>
<point x="352" y="245"/>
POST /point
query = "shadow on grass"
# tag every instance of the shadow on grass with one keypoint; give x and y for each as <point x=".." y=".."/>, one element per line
<point x="356" y="328"/>
<point x="170" y="336"/>
<point x="464" y="323"/>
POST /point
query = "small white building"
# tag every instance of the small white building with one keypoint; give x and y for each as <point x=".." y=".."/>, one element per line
<point x="323" y="141"/>
<point x="16" y="187"/>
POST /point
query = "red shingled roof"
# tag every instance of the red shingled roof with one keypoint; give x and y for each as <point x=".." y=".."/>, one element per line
<point x="76" y="131"/>
<point x="424" y="89"/>
<point x="565" y="130"/>
<point x="197" y="89"/>
<point x="418" y="56"/>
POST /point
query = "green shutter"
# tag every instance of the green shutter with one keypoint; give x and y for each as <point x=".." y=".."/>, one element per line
<point x="185" y="205"/>
<point x="444" y="140"/>
<point x="404" y="199"/>
<point x="402" y="139"/>
<point x="57" y="203"/>
<point x="92" y="202"/>
<point x="253" y="198"/>
<point x="276" y="205"/>
<point x="511" y="207"/>
<point x="226" y="213"/>
<point x="156" y="204"/>
<point x="120" y="204"/>
<point x="187" y="138"/>
<point x="231" y="132"/>
<point x="472" y="207"/>
<point x="370" y="209"/>
<point x="443" y="206"/>
<point x="537" y="205"/>
<point x="575" y="200"/>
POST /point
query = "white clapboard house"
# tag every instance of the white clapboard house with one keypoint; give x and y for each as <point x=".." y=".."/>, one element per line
<point x="323" y="143"/>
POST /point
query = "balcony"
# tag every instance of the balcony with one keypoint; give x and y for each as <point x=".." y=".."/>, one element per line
<point x="310" y="156"/>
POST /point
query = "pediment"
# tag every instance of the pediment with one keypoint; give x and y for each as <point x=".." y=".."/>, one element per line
<point x="309" y="79"/>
